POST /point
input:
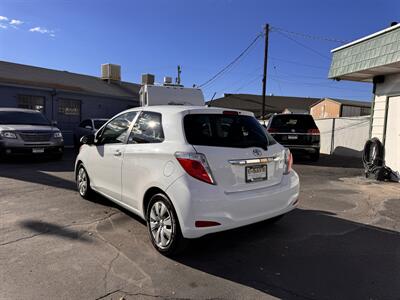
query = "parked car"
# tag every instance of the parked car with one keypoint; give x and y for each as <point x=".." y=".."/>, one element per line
<point x="188" y="171"/>
<point x="296" y="132"/>
<point x="25" y="131"/>
<point x="86" y="127"/>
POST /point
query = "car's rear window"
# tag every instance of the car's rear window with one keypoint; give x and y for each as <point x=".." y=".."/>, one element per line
<point x="293" y="122"/>
<point x="225" y="131"/>
<point x="23" y="118"/>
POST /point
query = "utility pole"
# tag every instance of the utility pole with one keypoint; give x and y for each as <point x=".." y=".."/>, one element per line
<point x="178" y="79"/>
<point x="264" y="80"/>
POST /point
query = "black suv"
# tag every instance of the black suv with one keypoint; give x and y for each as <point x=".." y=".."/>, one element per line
<point x="296" y="132"/>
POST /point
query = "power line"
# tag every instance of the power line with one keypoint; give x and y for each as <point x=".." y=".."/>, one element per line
<point x="208" y="86"/>
<point x="279" y="84"/>
<point x="316" y="84"/>
<point x="309" y="36"/>
<point x="291" y="75"/>
<point x="241" y="79"/>
<point x="304" y="46"/>
<point x="248" y="83"/>
<point x="297" y="63"/>
<point x="231" y="63"/>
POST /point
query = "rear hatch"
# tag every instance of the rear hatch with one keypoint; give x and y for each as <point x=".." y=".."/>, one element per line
<point x="239" y="152"/>
<point x="291" y="129"/>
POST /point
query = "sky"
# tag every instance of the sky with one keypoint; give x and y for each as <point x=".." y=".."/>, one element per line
<point x="201" y="36"/>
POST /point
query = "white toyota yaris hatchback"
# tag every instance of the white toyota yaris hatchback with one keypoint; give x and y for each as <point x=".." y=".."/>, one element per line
<point x="188" y="170"/>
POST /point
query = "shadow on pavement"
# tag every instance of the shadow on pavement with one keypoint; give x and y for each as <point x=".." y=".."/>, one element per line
<point x="307" y="255"/>
<point x="326" y="160"/>
<point x="53" y="229"/>
<point x="38" y="169"/>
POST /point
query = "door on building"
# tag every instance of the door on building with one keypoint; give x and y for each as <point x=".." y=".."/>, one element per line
<point x="68" y="117"/>
<point x="392" y="140"/>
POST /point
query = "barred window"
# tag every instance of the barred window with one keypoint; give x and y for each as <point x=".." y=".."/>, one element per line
<point x="31" y="102"/>
<point x="69" y="107"/>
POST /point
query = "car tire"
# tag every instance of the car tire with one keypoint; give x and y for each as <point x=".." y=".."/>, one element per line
<point x="83" y="182"/>
<point x="163" y="226"/>
<point x="315" y="156"/>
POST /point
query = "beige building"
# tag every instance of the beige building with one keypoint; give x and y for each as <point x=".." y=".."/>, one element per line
<point x="336" y="108"/>
<point x="376" y="59"/>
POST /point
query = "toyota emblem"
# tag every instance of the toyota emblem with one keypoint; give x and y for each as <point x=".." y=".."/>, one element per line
<point x="257" y="152"/>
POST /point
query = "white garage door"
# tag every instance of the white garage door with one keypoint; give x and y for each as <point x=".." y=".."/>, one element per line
<point x="392" y="142"/>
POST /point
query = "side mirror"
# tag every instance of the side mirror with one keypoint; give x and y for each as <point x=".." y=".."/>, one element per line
<point x="87" y="139"/>
<point x="54" y="123"/>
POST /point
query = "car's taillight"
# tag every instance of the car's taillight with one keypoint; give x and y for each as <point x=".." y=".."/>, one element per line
<point x="196" y="165"/>
<point x="313" y="131"/>
<point x="272" y="129"/>
<point x="288" y="161"/>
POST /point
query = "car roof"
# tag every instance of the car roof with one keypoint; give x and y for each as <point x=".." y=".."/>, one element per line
<point x="173" y="109"/>
<point x="18" y="110"/>
<point x="275" y="115"/>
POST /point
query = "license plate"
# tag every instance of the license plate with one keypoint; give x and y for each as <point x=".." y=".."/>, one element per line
<point x="37" y="150"/>
<point x="292" y="137"/>
<point x="256" y="173"/>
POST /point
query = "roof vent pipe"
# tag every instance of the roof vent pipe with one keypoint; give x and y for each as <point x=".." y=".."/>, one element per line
<point x="393" y="24"/>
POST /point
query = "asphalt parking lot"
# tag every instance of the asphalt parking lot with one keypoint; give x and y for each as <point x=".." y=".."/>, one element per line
<point x="342" y="242"/>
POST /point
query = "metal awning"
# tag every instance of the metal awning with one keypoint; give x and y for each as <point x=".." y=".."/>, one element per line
<point x="363" y="59"/>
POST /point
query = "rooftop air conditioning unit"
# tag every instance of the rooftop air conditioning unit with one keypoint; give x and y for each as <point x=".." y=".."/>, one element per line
<point x="111" y="72"/>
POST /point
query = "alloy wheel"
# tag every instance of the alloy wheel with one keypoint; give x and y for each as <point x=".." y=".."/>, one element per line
<point x="161" y="224"/>
<point x="82" y="181"/>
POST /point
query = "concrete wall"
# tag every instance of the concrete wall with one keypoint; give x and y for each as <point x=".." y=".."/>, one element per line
<point x="91" y="106"/>
<point x="344" y="136"/>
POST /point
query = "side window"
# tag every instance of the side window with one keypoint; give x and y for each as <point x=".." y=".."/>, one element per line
<point x="147" y="129"/>
<point x="85" y="123"/>
<point x="117" y="129"/>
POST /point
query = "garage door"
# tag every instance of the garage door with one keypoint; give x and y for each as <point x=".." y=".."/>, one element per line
<point x="392" y="142"/>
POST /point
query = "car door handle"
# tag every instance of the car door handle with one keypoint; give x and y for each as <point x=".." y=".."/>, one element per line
<point x="117" y="153"/>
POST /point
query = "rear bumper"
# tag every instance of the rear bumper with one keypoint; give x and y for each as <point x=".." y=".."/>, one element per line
<point x="196" y="202"/>
<point x="308" y="148"/>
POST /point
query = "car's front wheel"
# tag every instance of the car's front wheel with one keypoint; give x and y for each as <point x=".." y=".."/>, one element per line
<point x="83" y="182"/>
<point x="163" y="226"/>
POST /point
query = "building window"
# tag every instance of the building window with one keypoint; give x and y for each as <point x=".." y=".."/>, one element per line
<point x="69" y="107"/>
<point x="31" y="102"/>
<point x="365" y="111"/>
